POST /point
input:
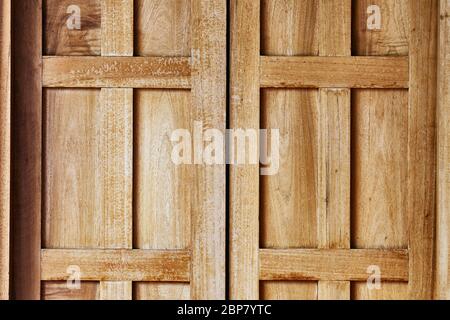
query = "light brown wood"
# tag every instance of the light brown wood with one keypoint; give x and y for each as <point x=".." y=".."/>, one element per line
<point x="288" y="199"/>
<point x="26" y="149"/>
<point x="334" y="72"/>
<point x="288" y="217"/>
<point x="163" y="28"/>
<point x="116" y="72"/>
<point x="289" y="27"/>
<point x="162" y="291"/>
<point x="379" y="145"/>
<point x="332" y="264"/>
<point x="5" y="146"/>
<point x="163" y="200"/>
<point x="209" y="63"/>
<point x="442" y="280"/>
<point x="117" y="40"/>
<point x="59" y="40"/>
<point x="117" y="28"/>
<point x="421" y="204"/>
<point x="57" y="290"/>
<point x="392" y="39"/>
<point x="117" y="265"/>
<point x="334" y="145"/>
<point x="88" y="156"/>
<point x="245" y="113"/>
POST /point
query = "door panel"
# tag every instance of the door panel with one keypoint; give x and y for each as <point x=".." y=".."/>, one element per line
<point x="353" y="147"/>
<point x="117" y="213"/>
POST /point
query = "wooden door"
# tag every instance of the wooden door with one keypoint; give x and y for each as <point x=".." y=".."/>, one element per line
<point x="351" y="86"/>
<point x="99" y="86"/>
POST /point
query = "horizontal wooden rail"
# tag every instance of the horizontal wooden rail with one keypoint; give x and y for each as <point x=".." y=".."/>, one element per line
<point x="117" y="265"/>
<point x="117" y="72"/>
<point x="332" y="265"/>
<point x="335" y="72"/>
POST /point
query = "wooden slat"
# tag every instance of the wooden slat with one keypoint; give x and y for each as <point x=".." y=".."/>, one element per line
<point x="379" y="145"/>
<point x="334" y="144"/>
<point x="244" y="187"/>
<point x="442" y="283"/>
<point x="116" y="72"/>
<point x="26" y="148"/>
<point x="58" y="290"/>
<point x="335" y="72"/>
<point x="117" y="28"/>
<point x="209" y="62"/>
<point x="288" y="206"/>
<point x="5" y="145"/>
<point x="332" y="264"/>
<point x="117" y="40"/>
<point x="117" y="265"/>
<point x="421" y="183"/>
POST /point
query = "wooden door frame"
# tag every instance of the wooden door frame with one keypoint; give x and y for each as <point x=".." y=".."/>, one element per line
<point x="248" y="263"/>
<point x="204" y="264"/>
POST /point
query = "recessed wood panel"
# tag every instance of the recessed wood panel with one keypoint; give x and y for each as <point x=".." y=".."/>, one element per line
<point x="59" y="290"/>
<point x="86" y="151"/>
<point x="162" y="28"/>
<point x="161" y="291"/>
<point x="289" y="27"/>
<point x="163" y="190"/>
<point x="62" y="40"/>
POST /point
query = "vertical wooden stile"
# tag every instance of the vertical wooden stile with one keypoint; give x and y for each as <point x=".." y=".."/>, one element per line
<point x="117" y="40"/>
<point x="208" y="63"/>
<point x="245" y="114"/>
<point x="442" y="280"/>
<point x="334" y="145"/>
<point x="5" y="146"/>
<point x="26" y="126"/>
<point x="421" y="182"/>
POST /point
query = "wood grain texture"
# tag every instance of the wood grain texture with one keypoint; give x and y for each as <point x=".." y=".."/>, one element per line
<point x="117" y="265"/>
<point x="244" y="183"/>
<point x="208" y="104"/>
<point x="289" y="27"/>
<point x="26" y="148"/>
<point x="442" y="280"/>
<point x="288" y="290"/>
<point x="288" y="217"/>
<point x="117" y="28"/>
<point x="288" y="199"/>
<point x="5" y="146"/>
<point x="163" y="28"/>
<point x="421" y="205"/>
<point x="117" y="40"/>
<point x="58" y="290"/>
<point x="59" y="40"/>
<point x="163" y="200"/>
<point x="379" y="141"/>
<point x="334" y="145"/>
<point x="116" y="72"/>
<point x="334" y="72"/>
<point x="161" y="291"/>
<point x="332" y="264"/>
<point x="392" y="39"/>
<point x="116" y="290"/>
<point x="88" y="155"/>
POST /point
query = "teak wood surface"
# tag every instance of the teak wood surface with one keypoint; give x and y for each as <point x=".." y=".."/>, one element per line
<point x="86" y="177"/>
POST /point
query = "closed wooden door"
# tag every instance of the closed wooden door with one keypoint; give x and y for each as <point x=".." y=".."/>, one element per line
<point x="351" y="87"/>
<point x="349" y="201"/>
<point x="96" y="196"/>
